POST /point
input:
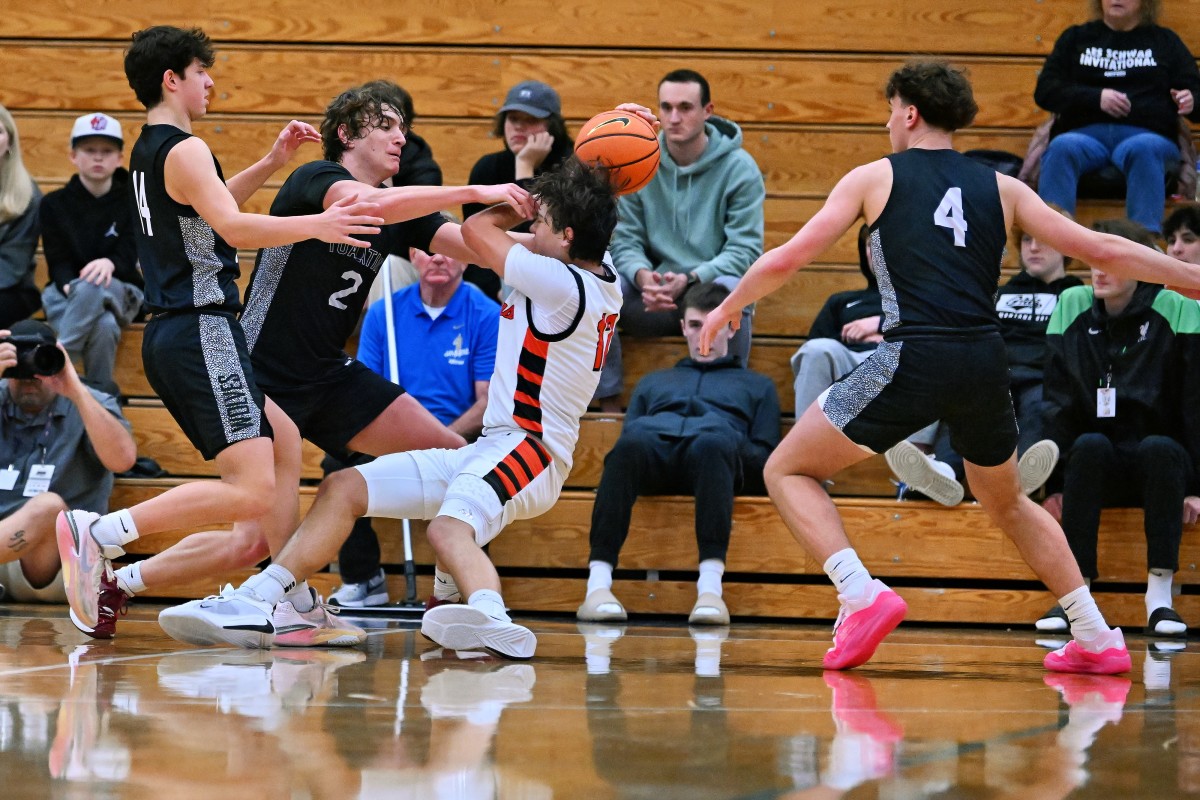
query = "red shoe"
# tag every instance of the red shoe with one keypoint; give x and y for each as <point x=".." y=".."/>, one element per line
<point x="112" y="604"/>
<point x="862" y="624"/>
<point x="1107" y="655"/>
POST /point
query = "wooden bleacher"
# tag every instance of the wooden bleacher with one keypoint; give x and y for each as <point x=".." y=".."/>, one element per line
<point x="804" y="80"/>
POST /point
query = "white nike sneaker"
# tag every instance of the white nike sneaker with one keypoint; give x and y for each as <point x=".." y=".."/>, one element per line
<point x="317" y="627"/>
<point x="237" y="618"/>
<point x="921" y="473"/>
<point x="464" y="627"/>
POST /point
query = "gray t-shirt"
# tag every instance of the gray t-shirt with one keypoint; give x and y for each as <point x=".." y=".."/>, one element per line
<point x="55" y="436"/>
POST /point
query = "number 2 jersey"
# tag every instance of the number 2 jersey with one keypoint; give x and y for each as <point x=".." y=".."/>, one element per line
<point x="937" y="245"/>
<point x="186" y="264"/>
<point x="305" y="299"/>
<point x="555" y="329"/>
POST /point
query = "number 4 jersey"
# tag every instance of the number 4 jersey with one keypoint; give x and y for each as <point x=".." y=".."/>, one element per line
<point x="555" y="329"/>
<point x="936" y="247"/>
<point x="305" y="299"/>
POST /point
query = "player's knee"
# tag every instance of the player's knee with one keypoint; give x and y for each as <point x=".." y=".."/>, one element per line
<point x="347" y="487"/>
<point x="45" y="507"/>
<point x="773" y="473"/>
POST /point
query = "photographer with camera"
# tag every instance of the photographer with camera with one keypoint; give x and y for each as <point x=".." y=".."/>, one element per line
<point x="60" y="443"/>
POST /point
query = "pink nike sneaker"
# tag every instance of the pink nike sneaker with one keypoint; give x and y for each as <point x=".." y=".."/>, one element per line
<point x="1104" y="655"/>
<point x="862" y="624"/>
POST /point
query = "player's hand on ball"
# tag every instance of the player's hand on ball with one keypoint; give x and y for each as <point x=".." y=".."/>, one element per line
<point x="347" y="218"/>
<point x="641" y="111"/>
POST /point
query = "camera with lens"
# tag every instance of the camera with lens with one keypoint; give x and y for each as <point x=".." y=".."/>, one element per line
<point x="34" y="357"/>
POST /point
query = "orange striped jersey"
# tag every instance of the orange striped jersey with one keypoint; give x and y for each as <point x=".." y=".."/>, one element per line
<point x="555" y="329"/>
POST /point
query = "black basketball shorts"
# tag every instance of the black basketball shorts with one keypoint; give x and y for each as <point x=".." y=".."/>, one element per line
<point x="198" y="364"/>
<point x="906" y="385"/>
<point x="335" y="407"/>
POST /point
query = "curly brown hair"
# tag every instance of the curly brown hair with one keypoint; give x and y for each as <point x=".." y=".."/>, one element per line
<point x="579" y="197"/>
<point x="941" y="93"/>
<point x="359" y="110"/>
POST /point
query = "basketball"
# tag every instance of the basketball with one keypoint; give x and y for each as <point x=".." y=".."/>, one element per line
<point x="623" y="142"/>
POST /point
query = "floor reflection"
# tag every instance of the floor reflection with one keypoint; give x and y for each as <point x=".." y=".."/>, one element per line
<point x="629" y="711"/>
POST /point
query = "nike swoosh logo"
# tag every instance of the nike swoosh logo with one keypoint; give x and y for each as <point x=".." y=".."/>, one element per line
<point x="288" y="628"/>
<point x="1093" y="331"/>
<point x="622" y="121"/>
<point x="853" y="303"/>
<point x="123" y="525"/>
<point x="259" y="628"/>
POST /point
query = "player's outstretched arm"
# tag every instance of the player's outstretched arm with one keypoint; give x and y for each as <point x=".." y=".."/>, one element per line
<point x="486" y="233"/>
<point x="774" y="267"/>
<point x="251" y="179"/>
<point x="1113" y="254"/>
<point x="192" y="179"/>
<point x="400" y="203"/>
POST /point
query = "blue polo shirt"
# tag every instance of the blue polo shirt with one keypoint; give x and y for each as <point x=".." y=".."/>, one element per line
<point x="439" y="359"/>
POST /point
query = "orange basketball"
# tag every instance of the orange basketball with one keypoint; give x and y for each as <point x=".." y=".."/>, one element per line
<point x="623" y="142"/>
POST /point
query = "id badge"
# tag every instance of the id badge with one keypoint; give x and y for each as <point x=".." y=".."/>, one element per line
<point x="39" y="479"/>
<point x="8" y="478"/>
<point x="1106" y="402"/>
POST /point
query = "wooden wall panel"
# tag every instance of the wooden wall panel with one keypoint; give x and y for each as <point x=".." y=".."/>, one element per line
<point x="300" y="80"/>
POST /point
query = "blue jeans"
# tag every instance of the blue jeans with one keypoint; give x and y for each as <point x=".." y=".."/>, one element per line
<point x="1142" y="156"/>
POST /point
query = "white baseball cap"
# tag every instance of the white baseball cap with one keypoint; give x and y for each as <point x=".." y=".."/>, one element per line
<point x="96" y="125"/>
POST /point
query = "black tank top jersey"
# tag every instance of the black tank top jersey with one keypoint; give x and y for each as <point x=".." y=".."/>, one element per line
<point x="186" y="264"/>
<point x="938" y="245"/>
<point x="305" y="299"/>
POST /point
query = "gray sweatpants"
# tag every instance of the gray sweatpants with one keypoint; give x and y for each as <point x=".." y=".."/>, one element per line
<point x="89" y="322"/>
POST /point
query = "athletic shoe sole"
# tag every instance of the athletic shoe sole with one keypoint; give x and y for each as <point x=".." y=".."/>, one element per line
<point x="1036" y="465"/>
<point x="464" y="627"/>
<point x="80" y="557"/>
<point x="319" y="637"/>
<point x="191" y="628"/>
<point x="860" y="638"/>
<point x="912" y="466"/>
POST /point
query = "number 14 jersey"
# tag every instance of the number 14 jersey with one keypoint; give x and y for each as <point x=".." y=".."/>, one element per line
<point x="555" y="329"/>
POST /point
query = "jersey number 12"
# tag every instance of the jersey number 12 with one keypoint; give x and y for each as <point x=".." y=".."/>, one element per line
<point x="949" y="214"/>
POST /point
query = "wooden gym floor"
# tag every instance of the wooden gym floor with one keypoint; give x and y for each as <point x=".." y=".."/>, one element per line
<point x="636" y="711"/>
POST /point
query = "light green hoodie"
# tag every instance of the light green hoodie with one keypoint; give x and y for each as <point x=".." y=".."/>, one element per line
<point x="705" y="218"/>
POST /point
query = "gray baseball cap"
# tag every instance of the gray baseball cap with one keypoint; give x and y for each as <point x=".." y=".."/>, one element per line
<point x="534" y="98"/>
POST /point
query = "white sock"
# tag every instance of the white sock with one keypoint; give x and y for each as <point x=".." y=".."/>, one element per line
<point x="444" y="587"/>
<point x="711" y="570"/>
<point x="1158" y="589"/>
<point x="847" y="573"/>
<point x="114" y="531"/>
<point x="490" y="603"/>
<point x="1086" y="620"/>
<point x="599" y="576"/>
<point x="129" y="578"/>
<point x="301" y="597"/>
<point x="270" y="585"/>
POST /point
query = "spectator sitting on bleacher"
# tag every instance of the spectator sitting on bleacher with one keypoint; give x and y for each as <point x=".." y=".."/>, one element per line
<point x="445" y="334"/>
<point x="1024" y="305"/>
<point x="1122" y="378"/>
<point x="19" y="203"/>
<point x="95" y="287"/>
<point x="704" y="427"/>
<point x="699" y="220"/>
<point x="1181" y="230"/>
<point x="531" y="125"/>
<point x="1117" y="85"/>
<point x="61" y="443"/>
